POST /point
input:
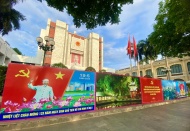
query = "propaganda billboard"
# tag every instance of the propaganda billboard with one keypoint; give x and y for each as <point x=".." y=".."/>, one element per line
<point x="169" y="89"/>
<point x="34" y="91"/>
<point x="151" y="90"/>
<point x="181" y="89"/>
<point x="116" y="91"/>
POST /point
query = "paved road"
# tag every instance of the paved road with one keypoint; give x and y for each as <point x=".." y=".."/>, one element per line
<point x="172" y="117"/>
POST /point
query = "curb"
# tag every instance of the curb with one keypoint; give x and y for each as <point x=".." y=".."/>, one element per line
<point x="47" y="121"/>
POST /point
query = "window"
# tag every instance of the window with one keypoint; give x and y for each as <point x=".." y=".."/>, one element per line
<point x="176" y="69"/>
<point x="188" y="66"/>
<point x="160" y="72"/>
<point x="149" y="72"/>
<point x="134" y="74"/>
<point x="141" y="73"/>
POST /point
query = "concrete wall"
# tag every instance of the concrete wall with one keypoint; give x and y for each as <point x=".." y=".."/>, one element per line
<point x="6" y="52"/>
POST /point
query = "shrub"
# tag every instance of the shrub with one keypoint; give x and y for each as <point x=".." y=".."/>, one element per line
<point x="90" y="69"/>
<point x="59" y="65"/>
<point x="3" y="70"/>
<point x="103" y="70"/>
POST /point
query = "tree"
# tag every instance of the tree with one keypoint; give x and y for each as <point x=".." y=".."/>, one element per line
<point x="88" y="12"/>
<point x="104" y="83"/>
<point x="17" y="51"/>
<point x="90" y="69"/>
<point x="9" y="17"/>
<point x="59" y="65"/>
<point x="3" y="70"/>
<point x="146" y="50"/>
<point x="171" y="35"/>
<point x="103" y="70"/>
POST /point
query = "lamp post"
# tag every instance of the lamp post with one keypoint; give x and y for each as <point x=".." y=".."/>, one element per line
<point x="167" y="71"/>
<point x="48" y="46"/>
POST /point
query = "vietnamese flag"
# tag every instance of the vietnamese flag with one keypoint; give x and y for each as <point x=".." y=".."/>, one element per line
<point x="18" y="76"/>
<point x="129" y="47"/>
<point x="135" y="48"/>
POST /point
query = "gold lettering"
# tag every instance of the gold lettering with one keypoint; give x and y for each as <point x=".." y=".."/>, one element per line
<point x="84" y="108"/>
<point x="47" y="112"/>
<point x="61" y="111"/>
<point x="7" y="116"/>
<point x="34" y="114"/>
<point x="24" y="115"/>
<point x="54" y="112"/>
<point x="67" y="110"/>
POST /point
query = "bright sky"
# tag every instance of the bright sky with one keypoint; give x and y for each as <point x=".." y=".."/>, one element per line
<point x="137" y="19"/>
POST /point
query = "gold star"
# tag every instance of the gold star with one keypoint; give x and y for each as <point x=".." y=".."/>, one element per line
<point x="59" y="75"/>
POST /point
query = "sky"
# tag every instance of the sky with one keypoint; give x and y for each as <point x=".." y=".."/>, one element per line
<point x="136" y="20"/>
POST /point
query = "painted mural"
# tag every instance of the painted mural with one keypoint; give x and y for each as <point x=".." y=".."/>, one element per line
<point x="116" y="91"/>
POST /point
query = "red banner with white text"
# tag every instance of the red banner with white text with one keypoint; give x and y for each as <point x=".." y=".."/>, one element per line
<point x="151" y="90"/>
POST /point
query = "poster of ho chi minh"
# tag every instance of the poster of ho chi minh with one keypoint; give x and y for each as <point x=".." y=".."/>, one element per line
<point x="151" y="90"/>
<point x="34" y="91"/>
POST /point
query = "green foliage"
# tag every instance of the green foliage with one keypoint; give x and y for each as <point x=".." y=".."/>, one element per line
<point x="9" y="17"/>
<point x="146" y="50"/>
<point x="171" y="35"/>
<point x="91" y="12"/>
<point x="115" y="85"/>
<point x="59" y="65"/>
<point x="17" y="51"/>
<point x="90" y="69"/>
<point x="88" y="12"/>
<point x="127" y="74"/>
<point x="188" y="86"/>
<point x="3" y="70"/>
<point x="103" y="70"/>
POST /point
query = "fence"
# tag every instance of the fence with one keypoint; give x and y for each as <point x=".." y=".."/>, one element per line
<point x="34" y="91"/>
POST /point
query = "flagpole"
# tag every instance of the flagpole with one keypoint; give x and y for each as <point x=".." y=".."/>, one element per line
<point x="130" y="65"/>
<point x="129" y="53"/>
<point x="138" y="69"/>
<point x="135" y="54"/>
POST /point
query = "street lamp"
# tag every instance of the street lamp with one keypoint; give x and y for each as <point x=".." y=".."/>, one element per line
<point x="167" y="71"/>
<point x="48" y="46"/>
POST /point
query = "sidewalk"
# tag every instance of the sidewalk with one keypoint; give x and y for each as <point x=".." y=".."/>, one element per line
<point x="171" y="117"/>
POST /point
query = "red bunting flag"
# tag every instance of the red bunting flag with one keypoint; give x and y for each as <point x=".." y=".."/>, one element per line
<point x="129" y="47"/>
<point x="135" y="48"/>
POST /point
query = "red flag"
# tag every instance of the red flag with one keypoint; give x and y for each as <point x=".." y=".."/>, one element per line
<point x="129" y="47"/>
<point x="135" y="47"/>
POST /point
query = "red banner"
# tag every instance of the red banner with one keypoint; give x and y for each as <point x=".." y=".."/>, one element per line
<point x="19" y="76"/>
<point x="151" y="90"/>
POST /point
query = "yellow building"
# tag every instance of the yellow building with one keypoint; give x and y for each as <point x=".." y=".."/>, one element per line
<point x="71" y="49"/>
<point x="169" y="68"/>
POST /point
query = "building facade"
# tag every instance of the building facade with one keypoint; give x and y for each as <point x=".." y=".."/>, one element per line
<point x="6" y="52"/>
<point x="8" y="55"/>
<point x="74" y="51"/>
<point x="169" y="68"/>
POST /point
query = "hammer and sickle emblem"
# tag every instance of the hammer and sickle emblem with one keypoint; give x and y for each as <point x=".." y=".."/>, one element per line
<point x="23" y="73"/>
<point x="151" y="82"/>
